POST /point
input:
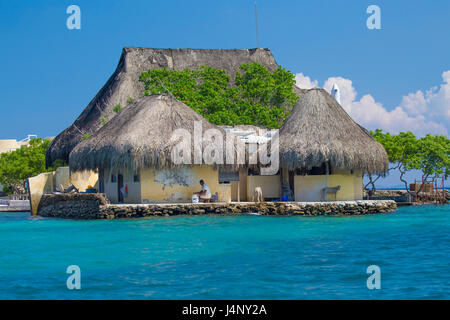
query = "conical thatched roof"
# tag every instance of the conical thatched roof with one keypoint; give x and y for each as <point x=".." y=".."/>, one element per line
<point x="140" y="136"/>
<point x="318" y="130"/>
<point x="124" y="83"/>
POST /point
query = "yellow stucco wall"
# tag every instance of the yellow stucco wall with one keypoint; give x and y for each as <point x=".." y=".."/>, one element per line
<point x="81" y="180"/>
<point x="235" y="190"/>
<point x="178" y="185"/>
<point x="164" y="186"/>
<point x="309" y="188"/>
<point x="47" y="183"/>
<point x="271" y="186"/>
<point x="62" y="178"/>
<point x="340" y="171"/>
<point x="346" y="182"/>
<point x="243" y="174"/>
<point x="224" y="192"/>
<point x="358" y="185"/>
<point x="40" y="184"/>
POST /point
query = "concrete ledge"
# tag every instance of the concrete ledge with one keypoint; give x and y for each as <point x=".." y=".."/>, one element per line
<point x="96" y="206"/>
<point x="15" y="206"/>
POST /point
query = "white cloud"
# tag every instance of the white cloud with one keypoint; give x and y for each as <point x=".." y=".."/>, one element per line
<point x="305" y="82"/>
<point x="415" y="103"/>
<point x="419" y="112"/>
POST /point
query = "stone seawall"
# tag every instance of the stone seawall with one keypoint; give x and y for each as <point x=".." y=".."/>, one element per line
<point x="72" y="205"/>
<point x="403" y="196"/>
<point x="96" y="206"/>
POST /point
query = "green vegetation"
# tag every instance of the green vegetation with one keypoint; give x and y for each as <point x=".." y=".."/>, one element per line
<point x="23" y="163"/>
<point x="85" y="136"/>
<point x="429" y="154"/>
<point x="117" y="108"/>
<point x="103" y="120"/>
<point x="130" y="100"/>
<point x="259" y="97"/>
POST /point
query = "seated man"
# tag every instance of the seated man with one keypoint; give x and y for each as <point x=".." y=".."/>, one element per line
<point x="205" y="194"/>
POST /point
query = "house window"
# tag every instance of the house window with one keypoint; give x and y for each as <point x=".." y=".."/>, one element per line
<point x="113" y="178"/>
<point x="315" y="171"/>
<point x="226" y="176"/>
<point x="101" y="181"/>
<point x="255" y="171"/>
<point x="318" y="171"/>
<point x="136" y="178"/>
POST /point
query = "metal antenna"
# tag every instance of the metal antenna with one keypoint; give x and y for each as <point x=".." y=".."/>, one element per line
<point x="256" y="16"/>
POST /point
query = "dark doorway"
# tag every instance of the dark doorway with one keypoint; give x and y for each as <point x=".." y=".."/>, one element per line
<point x="101" y="181"/>
<point x="292" y="183"/>
<point x="119" y="187"/>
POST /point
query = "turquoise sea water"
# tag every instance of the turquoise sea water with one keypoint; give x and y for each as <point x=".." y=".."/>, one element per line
<point x="245" y="257"/>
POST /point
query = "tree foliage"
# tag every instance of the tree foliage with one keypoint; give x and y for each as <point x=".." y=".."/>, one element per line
<point x="18" y="165"/>
<point x="429" y="154"/>
<point x="434" y="155"/>
<point x="258" y="96"/>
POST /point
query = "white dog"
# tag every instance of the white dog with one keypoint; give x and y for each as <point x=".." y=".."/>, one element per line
<point x="258" y="195"/>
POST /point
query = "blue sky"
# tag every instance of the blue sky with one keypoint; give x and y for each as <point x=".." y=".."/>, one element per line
<point x="50" y="73"/>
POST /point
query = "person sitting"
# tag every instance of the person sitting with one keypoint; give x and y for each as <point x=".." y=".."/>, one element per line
<point x="205" y="194"/>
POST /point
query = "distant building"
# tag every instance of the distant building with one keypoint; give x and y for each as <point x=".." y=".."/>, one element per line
<point x="11" y="145"/>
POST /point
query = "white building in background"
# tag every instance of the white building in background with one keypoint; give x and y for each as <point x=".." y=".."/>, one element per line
<point x="336" y="93"/>
<point x="9" y="145"/>
<point x="249" y="134"/>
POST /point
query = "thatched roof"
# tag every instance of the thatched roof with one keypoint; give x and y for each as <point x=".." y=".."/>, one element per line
<point x="318" y="130"/>
<point x="140" y="136"/>
<point x="124" y="83"/>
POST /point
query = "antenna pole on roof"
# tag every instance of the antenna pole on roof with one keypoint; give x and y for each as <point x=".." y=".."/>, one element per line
<point x="256" y="17"/>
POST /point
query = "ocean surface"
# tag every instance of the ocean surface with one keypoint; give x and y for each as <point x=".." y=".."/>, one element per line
<point x="245" y="257"/>
<point x="400" y="188"/>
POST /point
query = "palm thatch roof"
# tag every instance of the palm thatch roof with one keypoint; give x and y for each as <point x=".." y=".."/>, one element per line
<point x="141" y="136"/>
<point x="124" y="83"/>
<point x="319" y="130"/>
